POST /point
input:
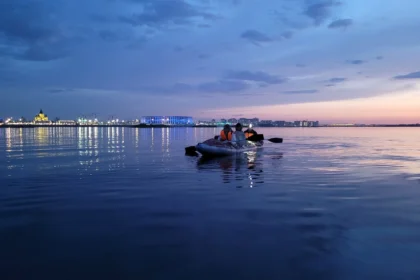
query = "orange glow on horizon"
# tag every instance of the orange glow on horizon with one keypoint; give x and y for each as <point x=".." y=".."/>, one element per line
<point x="386" y="109"/>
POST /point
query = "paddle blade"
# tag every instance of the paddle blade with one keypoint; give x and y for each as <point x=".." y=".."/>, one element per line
<point x="191" y="150"/>
<point x="276" y="140"/>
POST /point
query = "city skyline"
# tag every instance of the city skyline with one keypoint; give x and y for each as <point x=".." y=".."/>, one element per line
<point x="111" y="119"/>
<point x="42" y="118"/>
<point x="333" y="61"/>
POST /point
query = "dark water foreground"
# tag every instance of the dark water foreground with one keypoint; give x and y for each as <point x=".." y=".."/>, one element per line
<point x="125" y="203"/>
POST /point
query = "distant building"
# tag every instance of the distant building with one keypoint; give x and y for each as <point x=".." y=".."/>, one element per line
<point x="223" y="120"/>
<point x="266" y="123"/>
<point x="342" y="124"/>
<point x="41" y="118"/>
<point x="66" y="122"/>
<point x="279" y="123"/>
<point x="244" y="121"/>
<point x="167" y="120"/>
<point x="306" y="123"/>
<point x="233" y="121"/>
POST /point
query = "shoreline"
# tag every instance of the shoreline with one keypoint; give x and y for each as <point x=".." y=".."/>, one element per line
<point x="99" y="125"/>
<point x="197" y="126"/>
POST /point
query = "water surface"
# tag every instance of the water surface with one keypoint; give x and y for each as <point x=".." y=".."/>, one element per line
<point x="123" y="203"/>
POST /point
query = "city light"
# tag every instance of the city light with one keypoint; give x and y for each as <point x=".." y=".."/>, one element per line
<point x="41" y="119"/>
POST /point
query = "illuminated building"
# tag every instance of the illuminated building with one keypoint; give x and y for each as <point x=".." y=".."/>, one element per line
<point x="67" y="122"/>
<point x="41" y="117"/>
<point x="167" y="120"/>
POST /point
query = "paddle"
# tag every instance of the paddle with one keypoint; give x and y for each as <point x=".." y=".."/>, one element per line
<point x="260" y="137"/>
<point x="191" y="151"/>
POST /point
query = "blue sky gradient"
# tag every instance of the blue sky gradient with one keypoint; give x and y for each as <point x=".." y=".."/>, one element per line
<point x="130" y="58"/>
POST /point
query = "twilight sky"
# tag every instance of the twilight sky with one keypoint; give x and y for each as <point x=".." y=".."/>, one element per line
<point x="326" y="60"/>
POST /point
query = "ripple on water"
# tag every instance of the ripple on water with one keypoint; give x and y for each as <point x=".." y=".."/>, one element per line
<point x="325" y="204"/>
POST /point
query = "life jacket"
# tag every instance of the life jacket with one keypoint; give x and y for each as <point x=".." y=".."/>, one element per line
<point x="224" y="136"/>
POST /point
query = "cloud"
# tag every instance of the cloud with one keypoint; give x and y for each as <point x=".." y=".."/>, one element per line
<point x="356" y="61"/>
<point x="204" y="25"/>
<point x="60" y="90"/>
<point x="164" y="13"/>
<point x="179" y="87"/>
<point x="257" y="76"/>
<point x="137" y="43"/>
<point x="25" y="22"/>
<point x="287" y="35"/>
<point x="38" y="49"/>
<point x="413" y="75"/>
<point x="379" y="57"/>
<point x="305" y="91"/>
<point x="337" y="80"/>
<point x="30" y="32"/>
<point x="178" y="48"/>
<point x="255" y="36"/>
<point x="224" y="86"/>
<point x="219" y="86"/>
<point x="41" y="53"/>
<point x="340" y="23"/>
<point x="319" y="12"/>
<point x="204" y="56"/>
<point x="113" y="36"/>
<point x="101" y="18"/>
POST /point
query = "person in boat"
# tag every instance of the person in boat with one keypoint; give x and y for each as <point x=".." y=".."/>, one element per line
<point x="226" y="133"/>
<point x="238" y="137"/>
<point x="250" y="132"/>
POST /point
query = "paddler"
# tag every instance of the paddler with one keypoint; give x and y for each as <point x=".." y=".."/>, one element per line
<point x="238" y="136"/>
<point x="226" y="133"/>
<point x="250" y="132"/>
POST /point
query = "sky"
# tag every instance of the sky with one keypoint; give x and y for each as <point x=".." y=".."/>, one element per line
<point x="327" y="60"/>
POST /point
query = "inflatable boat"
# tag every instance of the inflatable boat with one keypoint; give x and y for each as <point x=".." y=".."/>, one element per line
<point x="213" y="147"/>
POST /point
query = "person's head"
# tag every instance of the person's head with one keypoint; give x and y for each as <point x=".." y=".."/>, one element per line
<point x="227" y="127"/>
<point x="238" y="127"/>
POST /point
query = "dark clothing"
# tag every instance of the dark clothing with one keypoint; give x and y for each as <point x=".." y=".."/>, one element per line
<point x="251" y="130"/>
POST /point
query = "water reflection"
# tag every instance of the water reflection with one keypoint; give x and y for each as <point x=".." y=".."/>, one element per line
<point x="8" y="139"/>
<point x="291" y="217"/>
<point x="244" y="170"/>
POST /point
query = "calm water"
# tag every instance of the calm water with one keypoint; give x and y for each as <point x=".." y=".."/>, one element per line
<point x="120" y="203"/>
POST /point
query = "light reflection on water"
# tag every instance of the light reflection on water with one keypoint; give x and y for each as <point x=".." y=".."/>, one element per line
<point x="328" y="203"/>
